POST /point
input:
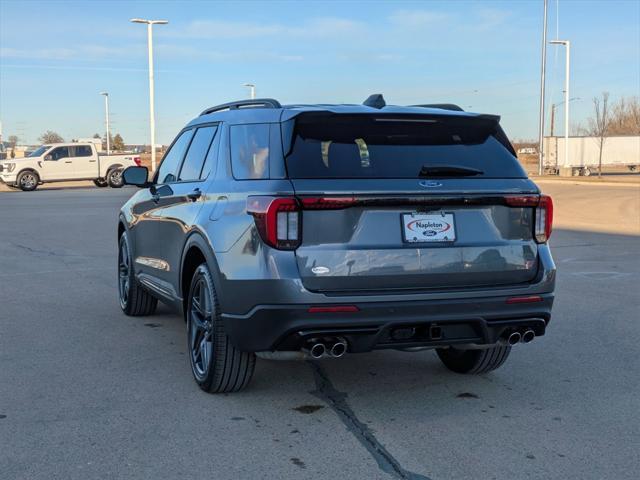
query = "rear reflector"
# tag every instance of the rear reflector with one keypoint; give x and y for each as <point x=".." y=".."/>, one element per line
<point x="334" y="309"/>
<point x="527" y="299"/>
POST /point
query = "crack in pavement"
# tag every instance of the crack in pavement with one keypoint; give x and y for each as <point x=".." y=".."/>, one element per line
<point x="326" y="392"/>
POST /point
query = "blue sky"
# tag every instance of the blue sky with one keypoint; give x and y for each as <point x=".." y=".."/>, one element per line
<point x="56" y="56"/>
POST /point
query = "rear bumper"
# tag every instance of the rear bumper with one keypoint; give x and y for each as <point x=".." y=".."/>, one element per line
<point x="376" y="325"/>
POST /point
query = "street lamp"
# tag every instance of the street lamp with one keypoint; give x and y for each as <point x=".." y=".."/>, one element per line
<point x="542" y="84"/>
<point x="553" y="112"/>
<point x="252" y="89"/>
<point x="106" y="119"/>
<point x="152" y="115"/>
<point x="567" y="44"/>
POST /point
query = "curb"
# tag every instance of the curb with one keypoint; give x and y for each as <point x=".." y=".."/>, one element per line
<point x="596" y="183"/>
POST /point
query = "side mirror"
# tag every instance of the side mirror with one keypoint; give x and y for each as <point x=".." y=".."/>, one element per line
<point x="138" y="176"/>
<point x="48" y="158"/>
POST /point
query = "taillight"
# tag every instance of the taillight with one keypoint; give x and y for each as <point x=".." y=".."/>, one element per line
<point x="544" y="219"/>
<point x="327" y="203"/>
<point x="137" y="160"/>
<point x="543" y="213"/>
<point x="277" y="220"/>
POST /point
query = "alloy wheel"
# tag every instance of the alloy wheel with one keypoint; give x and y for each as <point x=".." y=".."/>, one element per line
<point x="124" y="267"/>
<point x="28" y="180"/>
<point x="200" y="328"/>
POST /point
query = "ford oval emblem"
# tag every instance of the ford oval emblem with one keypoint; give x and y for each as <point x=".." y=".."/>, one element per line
<point x="429" y="184"/>
<point x="319" y="270"/>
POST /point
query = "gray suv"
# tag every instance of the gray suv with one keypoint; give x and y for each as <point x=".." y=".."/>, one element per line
<point x="334" y="229"/>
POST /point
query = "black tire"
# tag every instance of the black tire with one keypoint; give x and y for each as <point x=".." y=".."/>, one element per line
<point x="114" y="178"/>
<point x="135" y="301"/>
<point x="100" y="182"/>
<point x="473" y="361"/>
<point x="28" y="181"/>
<point x="217" y="366"/>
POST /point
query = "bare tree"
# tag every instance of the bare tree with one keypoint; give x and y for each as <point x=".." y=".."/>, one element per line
<point x="625" y="117"/>
<point x="50" y="137"/>
<point x="13" y="141"/>
<point x="599" y="124"/>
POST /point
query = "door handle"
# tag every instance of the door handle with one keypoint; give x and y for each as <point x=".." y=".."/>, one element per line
<point x="68" y="161"/>
<point x="195" y="195"/>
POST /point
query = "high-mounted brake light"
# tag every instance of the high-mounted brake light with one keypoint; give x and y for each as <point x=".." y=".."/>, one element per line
<point x="277" y="220"/>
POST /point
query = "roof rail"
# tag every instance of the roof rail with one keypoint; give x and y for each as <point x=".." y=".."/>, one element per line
<point x="257" y="102"/>
<point x="442" y="106"/>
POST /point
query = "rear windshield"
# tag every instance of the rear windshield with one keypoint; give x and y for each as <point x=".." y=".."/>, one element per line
<point x="365" y="146"/>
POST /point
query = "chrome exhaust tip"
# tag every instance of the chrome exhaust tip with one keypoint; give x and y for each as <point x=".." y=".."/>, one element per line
<point x="317" y="350"/>
<point x="514" y="338"/>
<point x="339" y="349"/>
<point x="528" y="336"/>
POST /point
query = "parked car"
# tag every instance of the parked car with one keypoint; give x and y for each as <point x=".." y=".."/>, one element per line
<point x="334" y="229"/>
<point x="58" y="162"/>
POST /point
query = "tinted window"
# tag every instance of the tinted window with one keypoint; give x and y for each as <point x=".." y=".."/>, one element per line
<point x="39" y="151"/>
<point x="250" y="151"/>
<point x="210" y="163"/>
<point x="60" y="152"/>
<point x="82" y="151"/>
<point x="344" y="146"/>
<point x="167" y="172"/>
<point x="198" y="149"/>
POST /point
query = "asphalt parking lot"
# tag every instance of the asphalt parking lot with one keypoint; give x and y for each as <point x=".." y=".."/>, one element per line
<point x="86" y="392"/>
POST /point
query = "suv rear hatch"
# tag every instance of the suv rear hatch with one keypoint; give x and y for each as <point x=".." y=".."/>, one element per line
<point x="408" y="202"/>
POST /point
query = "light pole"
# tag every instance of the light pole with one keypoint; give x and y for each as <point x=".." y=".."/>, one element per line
<point x="544" y="64"/>
<point x="567" y="44"/>
<point x="553" y="113"/>
<point x="252" y="90"/>
<point x="152" y="114"/>
<point x="106" y="119"/>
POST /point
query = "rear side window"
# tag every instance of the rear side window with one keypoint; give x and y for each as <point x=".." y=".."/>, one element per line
<point x="193" y="162"/>
<point x="167" y="172"/>
<point x="82" y="151"/>
<point x="365" y="146"/>
<point x="250" y="151"/>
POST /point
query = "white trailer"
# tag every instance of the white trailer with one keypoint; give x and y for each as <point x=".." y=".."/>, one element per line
<point x="584" y="152"/>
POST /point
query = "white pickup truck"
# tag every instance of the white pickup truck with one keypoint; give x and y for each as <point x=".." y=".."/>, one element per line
<point x="58" y="162"/>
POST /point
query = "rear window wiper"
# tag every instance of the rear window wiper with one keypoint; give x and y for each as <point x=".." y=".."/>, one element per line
<point x="448" y="171"/>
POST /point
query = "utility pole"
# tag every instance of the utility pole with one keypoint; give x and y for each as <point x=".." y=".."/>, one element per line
<point x="567" y="44"/>
<point x="152" y="113"/>
<point x="542" y="72"/>
<point x="106" y="120"/>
